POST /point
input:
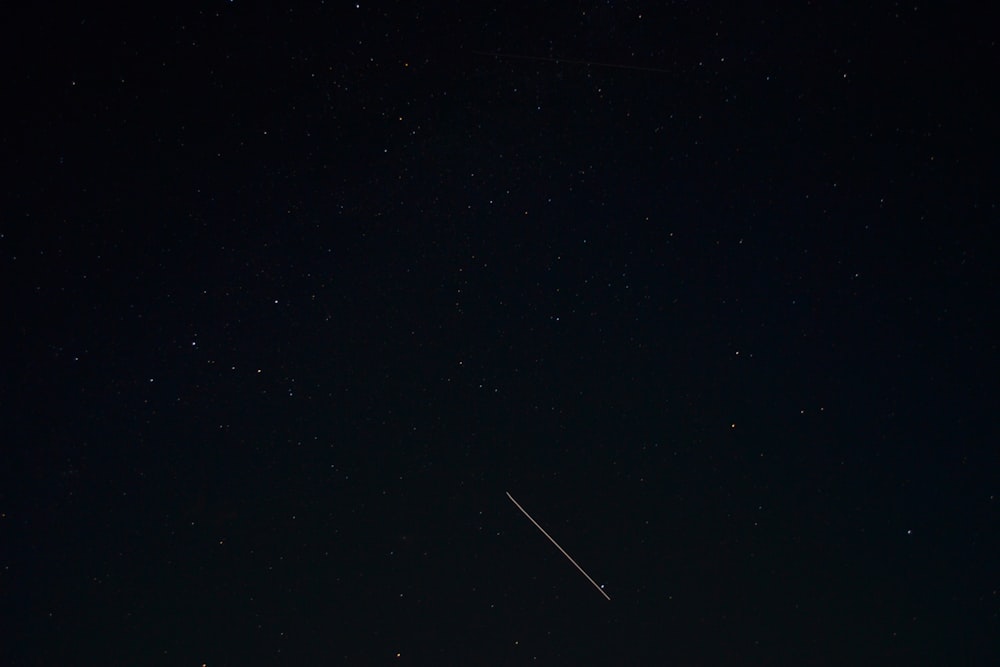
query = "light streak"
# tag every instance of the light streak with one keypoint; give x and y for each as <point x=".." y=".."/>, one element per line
<point x="570" y="558"/>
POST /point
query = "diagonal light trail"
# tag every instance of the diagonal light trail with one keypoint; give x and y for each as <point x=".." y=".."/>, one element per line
<point x="575" y="564"/>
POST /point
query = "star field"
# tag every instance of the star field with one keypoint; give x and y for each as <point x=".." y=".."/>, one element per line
<point x="296" y="296"/>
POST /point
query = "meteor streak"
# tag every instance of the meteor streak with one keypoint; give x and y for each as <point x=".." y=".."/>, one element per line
<point x="575" y="564"/>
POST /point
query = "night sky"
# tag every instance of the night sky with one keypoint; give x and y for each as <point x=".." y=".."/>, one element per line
<point x="294" y="298"/>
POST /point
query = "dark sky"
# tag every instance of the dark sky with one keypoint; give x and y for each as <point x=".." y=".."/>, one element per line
<point x="294" y="298"/>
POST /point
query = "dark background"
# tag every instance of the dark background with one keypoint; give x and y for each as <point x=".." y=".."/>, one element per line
<point x="294" y="296"/>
